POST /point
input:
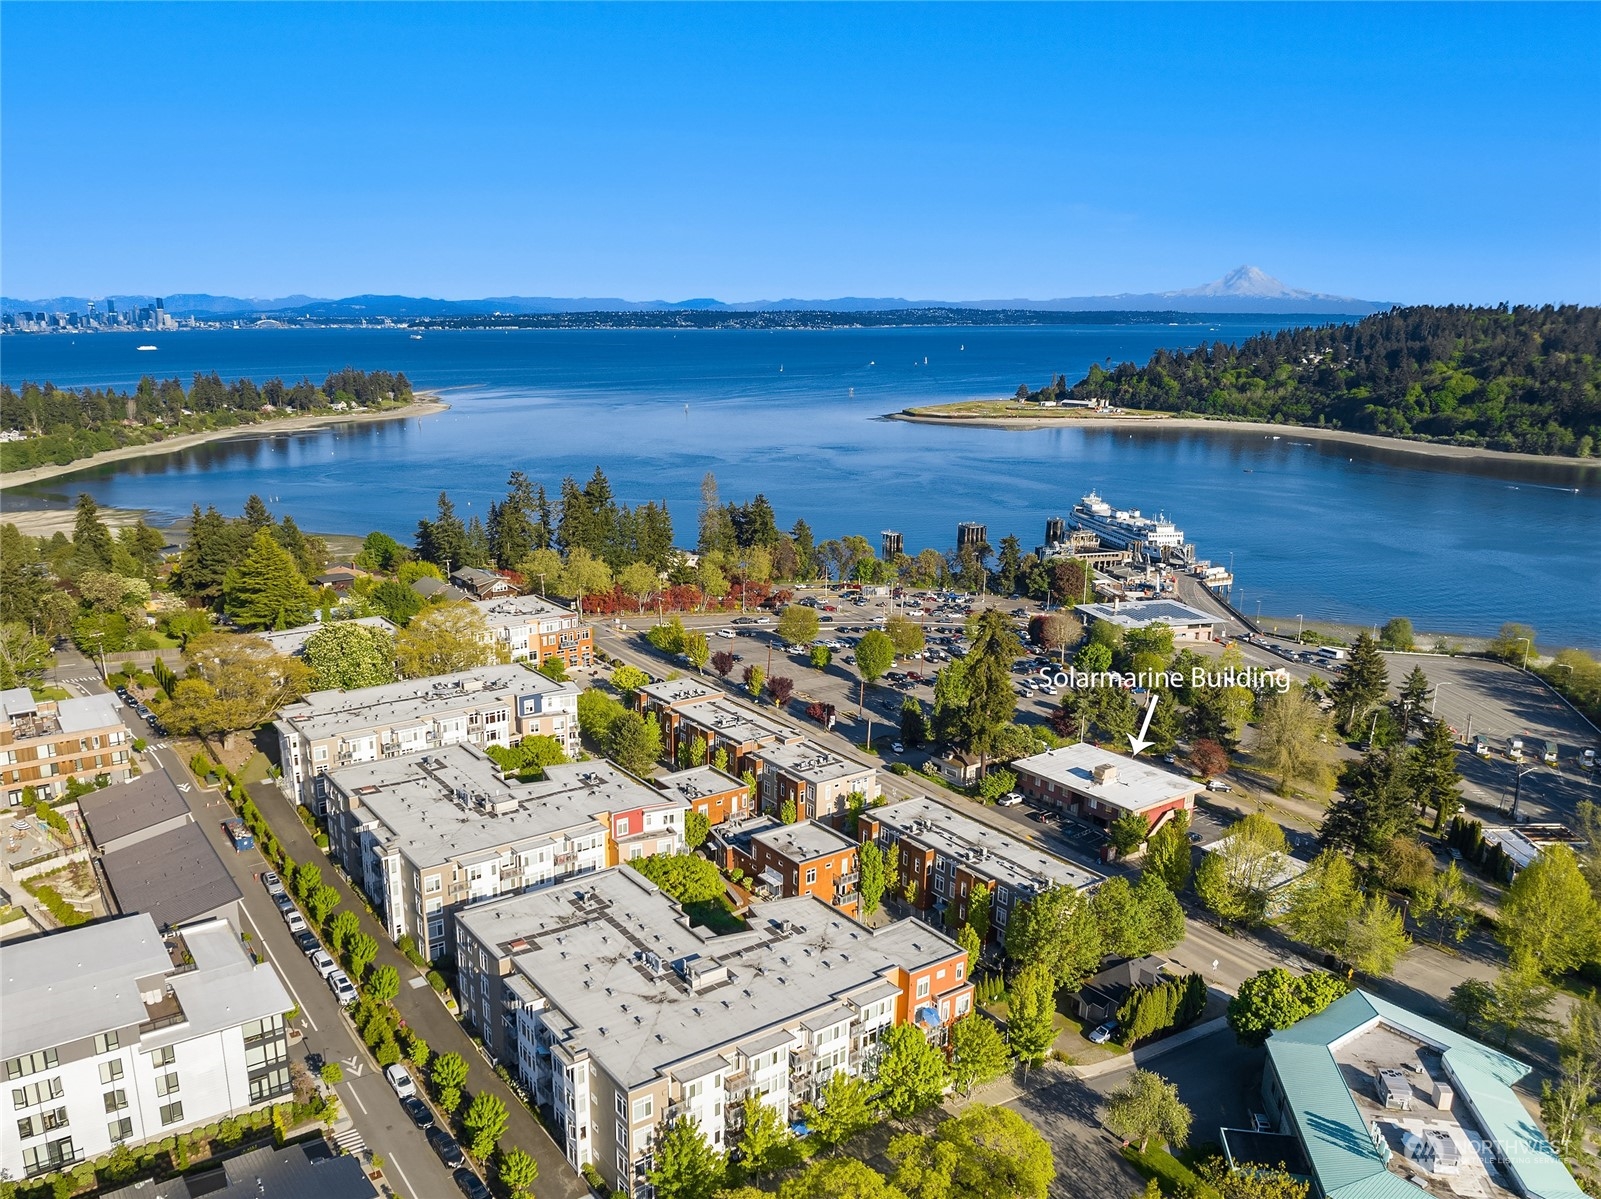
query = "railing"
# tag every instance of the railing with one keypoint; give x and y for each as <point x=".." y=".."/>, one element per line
<point x="163" y="1022"/>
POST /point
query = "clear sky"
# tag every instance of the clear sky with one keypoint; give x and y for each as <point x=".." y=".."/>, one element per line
<point x="1425" y="152"/>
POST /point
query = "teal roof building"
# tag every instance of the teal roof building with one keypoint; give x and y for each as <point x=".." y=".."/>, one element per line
<point x="1322" y="1084"/>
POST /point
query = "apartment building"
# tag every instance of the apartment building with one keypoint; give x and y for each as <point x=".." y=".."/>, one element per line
<point x="688" y="710"/>
<point x="715" y="795"/>
<point x="1098" y="785"/>
<point x="784" y="860"/>
<point x="947" y="854"/>
<point x="492" y="705"/>
<point x="114" y="1035"/>
<point x="818" y="781"/>
<point x="618" y="1015"/>
<point x="428" y="834"/>
<point x="535" y="630"/>
<point x="44" y="743"/>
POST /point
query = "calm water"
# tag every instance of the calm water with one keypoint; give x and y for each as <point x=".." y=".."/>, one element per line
<point x="1331" y="531"/>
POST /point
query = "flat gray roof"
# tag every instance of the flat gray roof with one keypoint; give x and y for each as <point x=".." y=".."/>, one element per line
<point x="1139" y="614"/>
<point x="812" y="761"/>
<point x="86" y="713"/>
<point x="1135" y="787"/>
<point x="416" y="799"/>
<point x="984" y="850"/>
<point x="676" y="691"/>
<point x="582" y="944"/>
<point x="734" y="723"/>
<point x="175" y="876"/>
<point x="331" y="713"/>
<point x="520" y="609"/>
<point x="699" y="782"/>
<point x="72" y="984"/>
<point x="225" y="989"/>
<point x="804" y="841"/>
<point x="124" y="808"/>
<point x="307" y="1171"/>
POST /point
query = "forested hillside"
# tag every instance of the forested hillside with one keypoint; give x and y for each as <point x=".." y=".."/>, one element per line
<point x="1502" y="378"/>
<point x="57" y="426"/>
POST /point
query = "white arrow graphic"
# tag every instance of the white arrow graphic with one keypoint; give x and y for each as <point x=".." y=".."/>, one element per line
<point x="1139" y="742"/>
<point x="355" y="1065"/>
<point x="183" y="787"/>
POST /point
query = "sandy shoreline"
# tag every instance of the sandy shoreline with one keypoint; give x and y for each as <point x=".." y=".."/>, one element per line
<point x="427" y="405"/>
<point x="1428" y="449"/>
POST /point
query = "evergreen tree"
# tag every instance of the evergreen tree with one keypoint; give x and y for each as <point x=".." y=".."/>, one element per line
<point x="805" y="550"/>
<point x="256" y="517"/>
<point x="1362" y="684"/>
<point x="512" y="532"/>
<point x="92" y="547"/>
<point x="1413" y="706"/>
<point x="1433" y="773"/>
<point x="265" y="591"/>
<point x="443" y="540"/>
<point x="1376" y="807"/>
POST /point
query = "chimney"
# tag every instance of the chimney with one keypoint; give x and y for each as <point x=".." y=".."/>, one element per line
<point x="1105" y="774"/>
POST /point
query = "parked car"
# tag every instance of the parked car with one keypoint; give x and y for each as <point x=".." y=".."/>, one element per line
<point x="274" y="884"/>
<point x="295" y="922"/>
<point x="323" y="964"/>
<point x="1010" y="800"/>
<point x="764" y="620"/>
<point x="307" y="941"/>
<point x="729" y="633"/>
<point x="443" y="1144"/>
<point x="897" y="747"/>
<point x="284" y="904"/>
<point x="398" y="1077"/>
<point x="1102" y="1033"/>
<point x="469" y="1184"/>
<point x="344" y="990"/>
<point x="421" y="1114"/>
<point x="1217" y="785"/>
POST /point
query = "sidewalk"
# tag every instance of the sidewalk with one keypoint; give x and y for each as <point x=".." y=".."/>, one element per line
<point x="422" y="1010"/>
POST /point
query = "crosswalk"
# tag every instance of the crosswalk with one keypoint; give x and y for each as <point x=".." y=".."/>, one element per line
<point x="350" y="1141"/>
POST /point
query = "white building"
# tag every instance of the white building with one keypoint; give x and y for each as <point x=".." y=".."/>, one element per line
<point x="493" y="705"/>
<point x="429" y="834"/>
<point x="111" y="1036"/>
<point x="534" y="629"/>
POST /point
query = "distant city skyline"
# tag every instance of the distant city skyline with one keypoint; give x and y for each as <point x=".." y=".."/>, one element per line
<point x="1429" y="153"/>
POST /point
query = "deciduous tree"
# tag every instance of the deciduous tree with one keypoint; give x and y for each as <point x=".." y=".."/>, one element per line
<point x="1549" y="914"/>
<point x="978" y="1054"/>
<point x="984" y="1153"/>
<point x="1147" y="1106"/>
<point x="1031" y="1013"/>
<point x="687" y="1167"/>
<point x="634" y="742"/>
<point x="444" y="639"/>
<point x="911" y="1074"/>
<point x="844" y="1107"/>
<point x="1292" y="741"/>
<point x="484" y="1123"/>
<point x="233" y="683"/>
<point x="344" y="654"/>
<point x="1168" y="854"/>
<point x="1235" y="877"/>
<point x="1057" y="930"/>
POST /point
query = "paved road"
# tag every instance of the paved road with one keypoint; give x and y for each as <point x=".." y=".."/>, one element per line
<point x="425" y="1014"/>
<point x="411" y="1166"/>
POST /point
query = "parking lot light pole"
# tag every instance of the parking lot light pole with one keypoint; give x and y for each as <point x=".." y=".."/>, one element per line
<point x="1517" y="790"/>
<point x="1528" y="644"/>
<point x="1436" y="698"/>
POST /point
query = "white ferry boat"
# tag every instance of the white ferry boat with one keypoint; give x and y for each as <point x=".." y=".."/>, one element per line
<point x="1127" y="528"/>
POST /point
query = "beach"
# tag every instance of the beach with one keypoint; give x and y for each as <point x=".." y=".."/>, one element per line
<point x="422" y="405"/>
<point x="1129" y="421"/>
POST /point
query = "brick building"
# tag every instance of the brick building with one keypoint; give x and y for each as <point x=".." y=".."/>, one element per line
<point x="786" y="860"/>
<point x="715" y="795"/>
<point x="1095" y="784"/>
<point x="816" y="779"/>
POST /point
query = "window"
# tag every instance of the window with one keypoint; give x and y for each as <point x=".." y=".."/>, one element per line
<point x="922" y="988"/>
<point x="266" y="1053"/>
<point x="40" y="1159"/>
<point x="622" y="1109"/>
<point x="811" y="876"/>
<point x="42" y="1122"/>
<point x="111" y="1071"/>
<point x="36" y="1093"/>
<point x="167" y="1084"/>
<point x="116" y="1100"/>
<point x="431" y="885"/>
<point x="172" y="1113"/>
<point x="106" y="1042"/>
<point x="643" y="1109"/>
<point x="622" y="826"/>
<point x="255" y="1030"/>
<point x="270" y="1085"/>
<point x="31" y="1063"/>
<point x="162" y="1057"/>
<point x="119" y="1130"/>
<point x="961" y="969"/>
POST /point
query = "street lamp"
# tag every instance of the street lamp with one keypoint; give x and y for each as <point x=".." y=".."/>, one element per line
<point x="1436" y="698"/>
<point x="1527" y="646"/>
<point x="1517" y="791"/>
<point x="1298" y="624"/>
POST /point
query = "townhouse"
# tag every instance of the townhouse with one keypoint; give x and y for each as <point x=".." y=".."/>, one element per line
<point x="618" y="1015"/>
<point x="784" y="860"/>
<point x="946" y="854"/>
<point x="536" y="631"/>
<point x="114" y="1035"/>
<point x="428" y="834"/>
<point x="818" y="781"/>
<point x="46" y="743"/>
<point x="492" y="705"/>
<point x="1098" y="785"/>
<point x="715" y="795"/>
<point x="689" y="710"/>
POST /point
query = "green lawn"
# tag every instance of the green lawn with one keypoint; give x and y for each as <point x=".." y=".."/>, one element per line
<point x="1173" y="1176"/>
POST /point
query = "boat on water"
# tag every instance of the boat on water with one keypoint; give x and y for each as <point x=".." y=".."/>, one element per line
<point x="147" y="347"/>
<point x="1128" y="528"/>
<point x="416" y="337"/>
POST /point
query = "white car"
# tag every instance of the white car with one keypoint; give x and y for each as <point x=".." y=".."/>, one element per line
<point x="295" y="921"/>
<point x="324" y="965"/>
<point x="729" y="633"/>
<point x="764" y="620"/>
<point x="1102" y="1033"/>
<point x="1010" y="800"/>
<point x="400" y="1080"/>
<point x="344" y="991"/>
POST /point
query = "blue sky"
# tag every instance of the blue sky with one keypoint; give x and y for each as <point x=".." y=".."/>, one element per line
<point x="1426" y="152"/>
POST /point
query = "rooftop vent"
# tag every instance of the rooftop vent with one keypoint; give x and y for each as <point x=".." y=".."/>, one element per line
<point x="1105" y="774"/>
